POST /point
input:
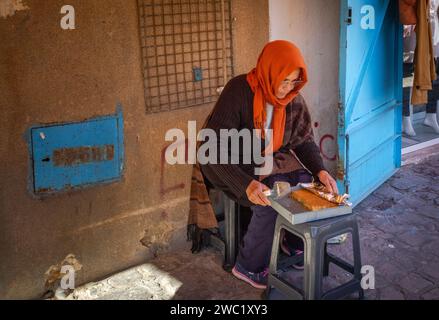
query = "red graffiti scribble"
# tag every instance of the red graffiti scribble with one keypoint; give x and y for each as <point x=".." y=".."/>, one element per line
<point x="164" y="190"/>
<point x="322" y="140"/>
<point x="316" y="124"/>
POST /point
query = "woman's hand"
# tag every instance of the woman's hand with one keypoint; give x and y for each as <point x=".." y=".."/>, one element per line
<point x="255" y="193"/>
<point x="328" y="181"/>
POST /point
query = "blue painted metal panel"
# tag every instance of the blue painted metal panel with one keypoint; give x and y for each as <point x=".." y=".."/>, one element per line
<point x="369" y="128"/>
<point x="73" y="155"/>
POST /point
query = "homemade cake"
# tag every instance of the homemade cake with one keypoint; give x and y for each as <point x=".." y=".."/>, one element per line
<point x="310" y="201"/>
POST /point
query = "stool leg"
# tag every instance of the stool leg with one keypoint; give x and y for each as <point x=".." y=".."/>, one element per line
<point x="326" y="261"/>
<point x="265" y="295"/>
<point x="357" y="256"/>
<point x="313" y="270"/>
<point x="275" y="246"/>
<point x="274" y="254"/>
<point x="230" y="233"/>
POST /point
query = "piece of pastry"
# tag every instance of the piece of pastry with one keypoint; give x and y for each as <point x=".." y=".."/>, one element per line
<point x="310" y="201"/>
<point x="321" y="191"/>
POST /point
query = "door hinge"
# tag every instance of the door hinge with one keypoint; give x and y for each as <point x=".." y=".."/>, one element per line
<point x="341" y="116"/>
<point x="347" y="184"/>
<point x="349" y="16"/>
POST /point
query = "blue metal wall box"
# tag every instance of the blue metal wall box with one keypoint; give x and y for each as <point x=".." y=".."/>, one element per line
<point x="72" y="155"/>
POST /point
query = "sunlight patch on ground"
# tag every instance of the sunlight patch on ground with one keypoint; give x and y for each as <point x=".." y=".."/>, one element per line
<point x="145" y="282"/>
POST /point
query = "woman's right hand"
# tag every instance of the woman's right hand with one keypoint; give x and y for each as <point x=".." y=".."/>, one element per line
<point x="255" y="193"/>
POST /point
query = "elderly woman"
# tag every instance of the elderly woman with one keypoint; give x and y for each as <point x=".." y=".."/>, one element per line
<point x="267" y="98"/>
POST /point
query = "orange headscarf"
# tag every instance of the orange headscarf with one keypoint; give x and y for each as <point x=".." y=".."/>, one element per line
<point x="276" y="62"/>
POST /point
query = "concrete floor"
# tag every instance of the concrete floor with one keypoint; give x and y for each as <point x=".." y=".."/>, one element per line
<point x="399" y="234"/>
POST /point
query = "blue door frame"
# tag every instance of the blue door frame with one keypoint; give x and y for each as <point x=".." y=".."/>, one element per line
<point x="370" y="107"/>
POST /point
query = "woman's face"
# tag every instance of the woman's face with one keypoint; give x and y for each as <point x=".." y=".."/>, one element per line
<point x="288" y="84"/>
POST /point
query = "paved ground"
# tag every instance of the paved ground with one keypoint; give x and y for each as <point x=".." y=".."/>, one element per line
<point x="399" y="231"/>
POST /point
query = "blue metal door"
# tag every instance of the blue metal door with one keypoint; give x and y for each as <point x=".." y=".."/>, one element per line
<point x="370" y="114"/>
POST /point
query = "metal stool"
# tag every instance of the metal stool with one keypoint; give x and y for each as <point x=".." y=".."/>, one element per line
<point x="230" y="212"/>
<point x="314" y="235"/>
<point x="232" y="232"/>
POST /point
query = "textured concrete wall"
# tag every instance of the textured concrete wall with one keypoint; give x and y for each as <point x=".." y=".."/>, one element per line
<point x="49" y="75"/>
<point x="250" y="27"/>
<point x="314" y="26"/>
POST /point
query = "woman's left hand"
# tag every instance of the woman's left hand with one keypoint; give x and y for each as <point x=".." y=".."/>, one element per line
<point x="328" y="181"/>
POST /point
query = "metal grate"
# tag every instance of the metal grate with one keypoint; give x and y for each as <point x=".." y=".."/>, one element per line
<point x="186" y="51"/>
